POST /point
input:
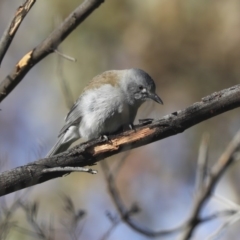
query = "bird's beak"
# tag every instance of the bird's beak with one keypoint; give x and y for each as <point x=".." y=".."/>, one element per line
<point x="155" y="98"/>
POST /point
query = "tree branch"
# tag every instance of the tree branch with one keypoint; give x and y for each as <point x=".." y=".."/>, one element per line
<point x="11" y="30"/>
<point x="89" y="153"/>
<point x="47" y="46"/>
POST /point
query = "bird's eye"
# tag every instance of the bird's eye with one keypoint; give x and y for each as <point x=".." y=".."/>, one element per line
<point x="141" y="87"/>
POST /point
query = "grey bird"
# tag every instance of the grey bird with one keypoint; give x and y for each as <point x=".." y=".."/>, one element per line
<point x="108" y="103"/>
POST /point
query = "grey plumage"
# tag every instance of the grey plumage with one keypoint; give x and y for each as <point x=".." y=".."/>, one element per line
<point x="109" y="102"/>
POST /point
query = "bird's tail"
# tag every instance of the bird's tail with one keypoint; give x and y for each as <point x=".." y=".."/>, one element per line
<point x="59" y="147"/>
<point x="64" y="141"/>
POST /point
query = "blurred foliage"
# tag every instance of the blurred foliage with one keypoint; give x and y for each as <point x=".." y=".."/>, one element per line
<point x="189" y="47"/>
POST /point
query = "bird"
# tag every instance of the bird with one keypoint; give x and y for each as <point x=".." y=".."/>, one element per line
<point x="108" y="103"/>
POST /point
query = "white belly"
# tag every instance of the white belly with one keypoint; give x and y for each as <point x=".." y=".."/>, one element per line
<point x="104" y="113"/>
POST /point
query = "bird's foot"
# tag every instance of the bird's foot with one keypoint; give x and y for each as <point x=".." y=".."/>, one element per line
<point x="105" y="138"/>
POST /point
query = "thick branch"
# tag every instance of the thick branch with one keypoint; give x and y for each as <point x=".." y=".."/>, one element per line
<point x="93" y="151"/>
<point x="11" y="30"/>
<point x="47" y="46"/>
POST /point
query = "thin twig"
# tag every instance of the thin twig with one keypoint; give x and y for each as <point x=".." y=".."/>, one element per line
<point x="115" y="220"/>
<point x="107" y="234"/>
<point x="74" y="218"/>
<point x="226" y="201"/>
<point x="226" y="159"/>
<point x="13" y="26"/>
<point x="125" y="213"/>
<point x="202" y="162"/>
<point x="65" y="56"/>
<point x="69" y="169"/>
<point x="31" y="211"/>
<point x="8" y="211"/>
<point x="231" y="220"/>
<point x="219" y="214"/>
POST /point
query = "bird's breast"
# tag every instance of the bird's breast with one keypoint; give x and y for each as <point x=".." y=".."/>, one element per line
<point x="105" y="111"/>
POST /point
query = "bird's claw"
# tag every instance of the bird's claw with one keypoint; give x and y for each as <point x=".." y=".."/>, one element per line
<point x="105" y="138"/>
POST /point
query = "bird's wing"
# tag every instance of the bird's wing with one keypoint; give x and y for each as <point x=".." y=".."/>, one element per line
<point x="75" y="115"/>
<point x="73" y="118"/>
<point x="59" y="147"/>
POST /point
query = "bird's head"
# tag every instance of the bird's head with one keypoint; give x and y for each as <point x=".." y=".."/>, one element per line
<point x="139" y="86"/>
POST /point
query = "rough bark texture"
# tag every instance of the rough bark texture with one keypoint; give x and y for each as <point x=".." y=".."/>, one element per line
<point x="93" y="151"/>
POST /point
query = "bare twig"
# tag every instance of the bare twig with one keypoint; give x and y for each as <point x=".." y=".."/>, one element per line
<point x="227" y="202"/>
<point x="11" y="30"/>
<point x="89" y="153"/>
<point x="6" y="223"/>
<point x="47" y="46"/>
<point x="69" y="170"/>
<point x="217" y="215"/>
<point x="74" y="217"/>
<point x="202" y="162"/>
<point x="231" y="220"/>
<point x="65" y="56"/>
<point x="7" y="212"/>
<point x="115" y="220"/>
<point x="31" y="211"/>
<point x="125" y="213"/>
<point x="227" y="158"/>
<point x="107" y="234"/>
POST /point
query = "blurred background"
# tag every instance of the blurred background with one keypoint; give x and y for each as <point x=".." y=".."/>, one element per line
<point x="190" y="48"/>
